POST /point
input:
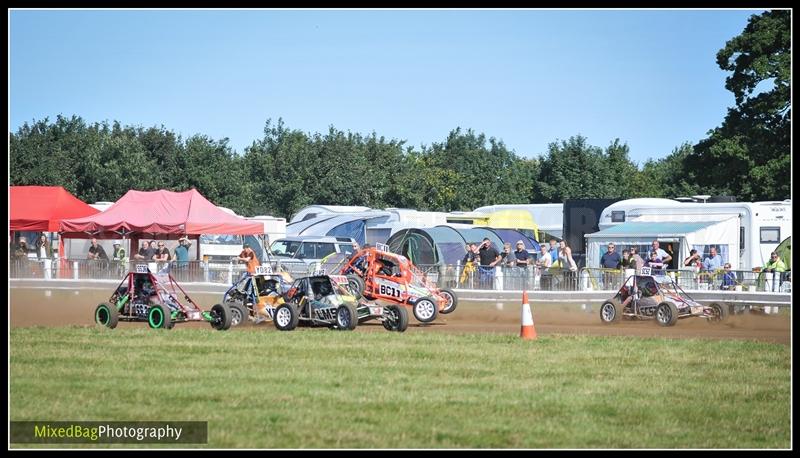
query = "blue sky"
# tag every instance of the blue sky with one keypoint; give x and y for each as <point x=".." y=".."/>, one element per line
<point x="527" y="77"/>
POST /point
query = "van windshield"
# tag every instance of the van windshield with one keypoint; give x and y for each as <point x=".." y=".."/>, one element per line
<point x="284" y="248"/>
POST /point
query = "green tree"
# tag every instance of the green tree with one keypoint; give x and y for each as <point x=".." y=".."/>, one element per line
<point x="749" y="154"/>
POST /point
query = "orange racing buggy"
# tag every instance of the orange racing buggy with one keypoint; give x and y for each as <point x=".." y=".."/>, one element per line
<point x="378" y="274"/>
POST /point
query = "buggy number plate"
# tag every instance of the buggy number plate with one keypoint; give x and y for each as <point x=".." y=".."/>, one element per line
<point x="142" y="269"/>
<point x="386" y="290"/>
<point x="646" y="271"/>
<point x="264" y="270"/>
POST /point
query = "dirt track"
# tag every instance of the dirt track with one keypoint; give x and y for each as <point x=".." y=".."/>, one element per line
<point x="32" y="307"/>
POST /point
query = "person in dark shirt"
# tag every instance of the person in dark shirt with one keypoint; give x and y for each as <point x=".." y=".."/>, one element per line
<point x="489" y="257"/>
<point x="97" y="252"/>
<point x="521" y="255"/>
<point x="610" y="260"/>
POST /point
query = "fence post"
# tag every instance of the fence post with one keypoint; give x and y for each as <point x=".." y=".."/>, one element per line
<point x="75" y="275"/>
<point x="230" y="273"/>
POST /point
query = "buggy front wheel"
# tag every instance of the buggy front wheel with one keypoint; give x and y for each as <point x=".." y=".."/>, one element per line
<point x="220" y="317"/>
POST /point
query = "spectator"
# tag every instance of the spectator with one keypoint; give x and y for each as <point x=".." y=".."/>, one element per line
<point x="521" y="255"/>
<point x="568" y="265"/>
<point x="671" y="255"/>
<point x="43" y="249"/>
<point x="120" y="257"/>
<point x="773" y="266"/>
<point x="162" y="256"/>
<point x="19" y="250"/>
<point x="660" y="254"/>
<point x="141" y="254"/>
<point x="119" y="253"/>
<point x="713" y="262"/>
<point x="541" y="273"/>
<point x="637" y="262"/>
<point x="627" y="261"/>
<point x="489" y="258"/>
<point x="97" y="252"/>
<point x="181" y="253"/>
<point x="693" y="260"/>
<point x="249" y="257"/>
<point x="471" y="254"/>
<point x="728" y="278"/>
<point x="654" y="262"/>
<point x="775" y="263"/>
<point x="610" y="260"/>
<point x="19" y="255"/>
<point x="553" y="252"/>
<point x="507" y="256"/>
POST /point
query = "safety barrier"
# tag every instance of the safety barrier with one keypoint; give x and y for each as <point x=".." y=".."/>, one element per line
<point x="455" y="276"/>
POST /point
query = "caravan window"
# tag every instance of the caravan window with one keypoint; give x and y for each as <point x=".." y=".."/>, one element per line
<point x="617" y="216"/>
<point x="770" y="235"/>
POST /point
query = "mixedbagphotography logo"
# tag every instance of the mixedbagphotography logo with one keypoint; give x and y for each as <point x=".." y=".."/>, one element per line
<point x="109" y="432"/>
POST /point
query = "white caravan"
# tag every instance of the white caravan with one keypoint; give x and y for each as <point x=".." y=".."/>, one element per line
<point x="762" y="225"/>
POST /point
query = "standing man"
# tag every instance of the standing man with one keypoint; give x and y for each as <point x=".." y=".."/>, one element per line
<point x="660" y="254"/>
<point x="249" y="257"/>
<point x="489" y="257"/>
<point x="553" y="251"/>
<point x="181" y="254"/>
<point x="610" y="260"/>
<point x="713" y="262"/>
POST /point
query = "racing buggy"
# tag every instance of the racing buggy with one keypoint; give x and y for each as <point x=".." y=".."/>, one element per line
<point x="379" y="275"/>
<point x="646" y="296"/>
<point x="145" y="296"/>
<point x="324" y="300"/>
<point x="256" y="296"/>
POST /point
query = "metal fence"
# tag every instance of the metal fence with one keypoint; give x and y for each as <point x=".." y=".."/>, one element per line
<point x="446" y="276"/>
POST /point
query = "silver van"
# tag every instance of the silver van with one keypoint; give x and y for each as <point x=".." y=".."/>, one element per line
<point x="302" y="254"/>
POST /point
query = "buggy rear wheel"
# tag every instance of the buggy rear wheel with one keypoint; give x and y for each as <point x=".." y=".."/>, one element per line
<point x="106" y="315"/>
<point x="158" y="317"/>
<point x="452" y="301"/>
<point x="610" y="313"/>
<point x="239" y="313"/>
<point x="346" y="317"/>
<point x="220" y="317"/>
<point x="356" y="285"/>
<point x="667" y="314"/>
<point x="425" y="310"/>
<point x="719" y="313"/>
<point x="286" y="317"/>
<point x="395" y="318"/>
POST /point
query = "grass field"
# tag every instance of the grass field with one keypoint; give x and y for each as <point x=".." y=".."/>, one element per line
<point x="316" y="388"/>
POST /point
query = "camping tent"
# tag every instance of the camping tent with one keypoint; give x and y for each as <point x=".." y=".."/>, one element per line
<point x="167" y="214"/>
<point x="432" y="245"/>
<point x="42" y="208"/>
<point x="784" y="250"/>
<point x="699" y="235"/>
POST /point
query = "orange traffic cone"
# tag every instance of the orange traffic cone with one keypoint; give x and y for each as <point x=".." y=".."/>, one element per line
<point x="528" y="330"/>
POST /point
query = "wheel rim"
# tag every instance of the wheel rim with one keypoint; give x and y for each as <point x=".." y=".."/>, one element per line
<point x="425" y="309"/>
<point x="236" y="316"/>
<point x="353" y="285"/>
<point x="343" y="316"/>
<point x="663" y="314"/>
<point x="393" y="318"/>
<point x="716" y="311"/>
<point x="156" y="318"/>
<point x="283" y="317"/>
<point x="449" y="300"/>
<point x="102" y="316"/>
<point x="608" y="312"/>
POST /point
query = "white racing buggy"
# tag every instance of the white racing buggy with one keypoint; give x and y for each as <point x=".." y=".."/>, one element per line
<point x="324" y="300"/>
<point x="646" y="296"/>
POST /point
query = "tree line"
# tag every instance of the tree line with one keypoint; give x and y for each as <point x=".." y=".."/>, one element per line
<point x="747" y="156"/>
